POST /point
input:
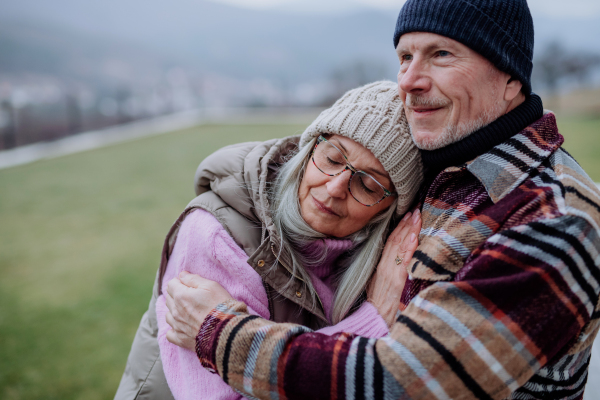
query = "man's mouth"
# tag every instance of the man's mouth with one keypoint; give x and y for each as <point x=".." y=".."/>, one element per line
<point x="424" y="111"/>
<point x="424" y="106"/>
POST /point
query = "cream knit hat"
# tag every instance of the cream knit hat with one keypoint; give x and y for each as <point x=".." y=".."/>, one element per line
<point x="373" y="115"/>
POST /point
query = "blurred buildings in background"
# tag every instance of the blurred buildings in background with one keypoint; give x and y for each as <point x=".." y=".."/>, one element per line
<point x="69" y="66"/>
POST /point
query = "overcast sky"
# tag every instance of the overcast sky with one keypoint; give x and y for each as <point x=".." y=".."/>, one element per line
<point x="554" y="8"/>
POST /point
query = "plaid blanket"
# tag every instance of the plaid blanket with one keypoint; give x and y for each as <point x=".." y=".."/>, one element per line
<point x="502" y="300"/>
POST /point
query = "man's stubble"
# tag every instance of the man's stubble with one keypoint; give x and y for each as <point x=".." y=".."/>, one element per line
<point x="453" y="133"/>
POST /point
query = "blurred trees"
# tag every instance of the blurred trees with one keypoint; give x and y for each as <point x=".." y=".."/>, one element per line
<point x="7" y="126"/>
<point x="353" y="75"/>
<point x="556" y="66"/>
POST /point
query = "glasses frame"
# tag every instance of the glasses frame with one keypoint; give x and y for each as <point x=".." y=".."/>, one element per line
<point x="386" y="193"/>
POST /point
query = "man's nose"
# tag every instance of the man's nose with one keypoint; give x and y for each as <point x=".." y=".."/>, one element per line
<point x="338" y="185"/>
<point x="414" y="79"/>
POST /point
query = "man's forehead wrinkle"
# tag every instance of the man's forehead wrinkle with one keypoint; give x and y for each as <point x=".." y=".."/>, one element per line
<point x="435" y="42"/>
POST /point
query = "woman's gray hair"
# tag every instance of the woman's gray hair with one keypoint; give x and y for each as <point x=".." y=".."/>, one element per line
<point x="295" y="234"/>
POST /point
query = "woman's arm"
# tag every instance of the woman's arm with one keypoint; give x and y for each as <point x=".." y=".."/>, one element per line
<point x="371" y="320"/>
<point x="203" y="247"/>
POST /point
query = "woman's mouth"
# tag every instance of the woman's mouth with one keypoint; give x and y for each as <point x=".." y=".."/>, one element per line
<point x="323" y="208"/>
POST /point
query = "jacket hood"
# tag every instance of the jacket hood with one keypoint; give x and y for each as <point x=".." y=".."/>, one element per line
<point x="240" y="174"/>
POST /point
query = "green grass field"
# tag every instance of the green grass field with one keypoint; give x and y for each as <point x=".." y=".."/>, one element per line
<point x="582" y="141"/>
<point x="80" y="240"/>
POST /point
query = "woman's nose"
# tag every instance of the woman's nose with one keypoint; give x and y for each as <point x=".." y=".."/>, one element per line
<point x="338" y="185"/>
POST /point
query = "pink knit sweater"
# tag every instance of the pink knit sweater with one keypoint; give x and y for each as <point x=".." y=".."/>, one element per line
<point x="219" y="258"/>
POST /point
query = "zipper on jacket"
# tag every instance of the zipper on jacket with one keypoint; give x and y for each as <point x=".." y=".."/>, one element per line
<point x="269" y="291"/>
<point x="297" y="277"/>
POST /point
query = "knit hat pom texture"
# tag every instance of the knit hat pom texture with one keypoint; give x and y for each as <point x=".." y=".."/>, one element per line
<point x="373" y="116"/>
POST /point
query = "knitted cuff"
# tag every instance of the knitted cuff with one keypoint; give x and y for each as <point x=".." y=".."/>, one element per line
<point x="207" y="339"/>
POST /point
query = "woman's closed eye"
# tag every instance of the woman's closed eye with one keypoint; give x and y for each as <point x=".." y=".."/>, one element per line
<point x="364" y="187"/>
<point x="333" y="162"/>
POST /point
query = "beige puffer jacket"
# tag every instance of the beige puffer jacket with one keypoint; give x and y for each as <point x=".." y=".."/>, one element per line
<point x="232" y="185"/>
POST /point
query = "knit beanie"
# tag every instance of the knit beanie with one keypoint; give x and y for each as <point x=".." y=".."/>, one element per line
<point x="499" y="30"/>
<point x="373" y="116"/>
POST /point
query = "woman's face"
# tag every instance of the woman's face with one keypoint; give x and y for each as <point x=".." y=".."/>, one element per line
<point x="325" y="201"/>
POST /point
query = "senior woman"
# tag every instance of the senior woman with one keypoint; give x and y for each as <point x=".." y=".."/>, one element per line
<point x="294" y="228"/>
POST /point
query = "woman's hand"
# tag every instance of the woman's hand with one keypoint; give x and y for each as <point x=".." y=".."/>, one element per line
<point x="189" y="299"/>
<point x="386" y="285"/>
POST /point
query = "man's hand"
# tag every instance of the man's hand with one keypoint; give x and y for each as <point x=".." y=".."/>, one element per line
<point x="189" y="299"/>
<point x="386" y="285"/>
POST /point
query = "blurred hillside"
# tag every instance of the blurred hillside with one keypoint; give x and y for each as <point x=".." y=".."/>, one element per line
<point x="239" y="46"/>
<point x="222" y="39"/>
<point x="68" y="66"/>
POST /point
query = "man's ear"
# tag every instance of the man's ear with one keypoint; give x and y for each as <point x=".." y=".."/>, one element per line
<point x="512" y="90"/>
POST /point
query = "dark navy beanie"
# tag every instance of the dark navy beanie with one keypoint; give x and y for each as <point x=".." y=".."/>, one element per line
<point x="499" y="30"/>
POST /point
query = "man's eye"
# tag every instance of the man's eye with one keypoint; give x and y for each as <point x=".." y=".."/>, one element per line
<point x="443" y="53"/>
<point x="405" y="57"/>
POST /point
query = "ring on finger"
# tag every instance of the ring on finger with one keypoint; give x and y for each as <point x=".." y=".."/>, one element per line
<point x="399" y="260"/>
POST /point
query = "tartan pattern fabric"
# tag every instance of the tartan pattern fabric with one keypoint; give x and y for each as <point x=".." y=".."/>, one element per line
<point x="210" y="330"/>
<point x="502" y="300"/>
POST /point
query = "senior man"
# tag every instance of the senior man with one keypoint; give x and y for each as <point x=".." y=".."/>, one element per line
<point x="503" y="295"/>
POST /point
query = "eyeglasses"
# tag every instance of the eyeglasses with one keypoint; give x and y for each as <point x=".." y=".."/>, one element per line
<point x="363" y="187"/>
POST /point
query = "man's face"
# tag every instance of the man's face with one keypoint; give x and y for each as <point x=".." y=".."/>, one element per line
<point x="449" y="91"/>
